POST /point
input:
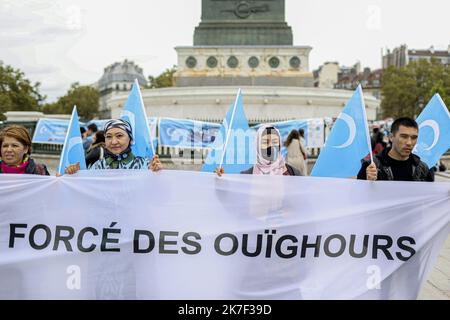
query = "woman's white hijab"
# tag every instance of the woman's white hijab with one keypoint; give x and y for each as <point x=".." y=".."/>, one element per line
<point x="267" y="167"/>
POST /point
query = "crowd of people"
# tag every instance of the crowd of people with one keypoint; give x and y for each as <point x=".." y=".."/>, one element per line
<point x="111" y="149"/>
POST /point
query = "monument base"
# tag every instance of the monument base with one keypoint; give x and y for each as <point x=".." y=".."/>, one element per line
<point x="284" y="66"/>
<point x="305" y="80"/>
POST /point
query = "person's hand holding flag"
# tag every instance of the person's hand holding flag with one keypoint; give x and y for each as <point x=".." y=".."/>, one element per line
<point x="156" y="164"/>
<point x="72" y="169"/>
<point x="371" y="172"/>
<point x="219" y="171"/>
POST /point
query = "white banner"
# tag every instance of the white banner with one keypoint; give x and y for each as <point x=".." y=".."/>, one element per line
<point x="189" y="235"/>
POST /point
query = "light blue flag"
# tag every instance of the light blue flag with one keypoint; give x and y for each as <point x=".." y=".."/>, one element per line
<point x="50" y="131"/>
<point x="434" y="131"/>
<point x="72" y="151"/>
<point x="134" y="113"/>
<point x="240" y="152"/>
<point x="347" y="143"/>
<point x="187" y="133"/>
<point x="152" y="124"/>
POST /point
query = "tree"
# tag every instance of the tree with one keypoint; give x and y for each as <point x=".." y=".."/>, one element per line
<point x="86" y="98"/>
<point x="164" y="80"/>
<point x="406" y="90"/>
<point x="16" y="92"/>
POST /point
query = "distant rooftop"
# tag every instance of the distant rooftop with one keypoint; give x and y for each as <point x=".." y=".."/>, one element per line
<point x="429" y="53"/>
<point x="126" y="71"/>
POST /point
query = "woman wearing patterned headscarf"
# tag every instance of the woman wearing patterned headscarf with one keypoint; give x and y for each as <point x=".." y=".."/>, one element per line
<point x="269" y="160"/>
<point x="118" y="154"/>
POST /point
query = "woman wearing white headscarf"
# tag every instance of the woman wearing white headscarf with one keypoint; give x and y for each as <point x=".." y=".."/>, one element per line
<point x="269" y="160"/>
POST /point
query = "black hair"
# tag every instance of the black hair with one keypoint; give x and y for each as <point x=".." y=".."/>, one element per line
<point x="292" y="135"/>
<point x="301" y="132"/>
<point x="82" y="130"/>
<point x="406" y="122"/>
<point x="92" y="127"/>
<point x="269" y="130"/>
<point x="99" y="136"/>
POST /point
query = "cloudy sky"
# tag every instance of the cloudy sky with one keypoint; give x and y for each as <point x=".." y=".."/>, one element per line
<point x="58" y="42"/>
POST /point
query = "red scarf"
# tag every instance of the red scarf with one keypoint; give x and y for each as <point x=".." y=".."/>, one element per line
<point x="17" y="170"/>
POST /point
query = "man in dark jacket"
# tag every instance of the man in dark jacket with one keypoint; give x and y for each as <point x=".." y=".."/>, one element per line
<point x="398" y="163"/>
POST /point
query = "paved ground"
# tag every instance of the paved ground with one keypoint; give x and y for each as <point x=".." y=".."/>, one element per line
<point x="437" y="286"/>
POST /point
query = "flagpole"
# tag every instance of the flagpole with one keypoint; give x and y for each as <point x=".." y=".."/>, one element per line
<point x="229" y="127"/>
<point x="366" y="122"/>
<point x="65" y="141"/>
<point x="136" y="83"/>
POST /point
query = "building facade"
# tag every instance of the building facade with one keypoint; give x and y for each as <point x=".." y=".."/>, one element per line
<point x="369" y="80"/>
<point x="326" y="76"/>
<point x="261" y="104"/>
<point x="401" y="56"/>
